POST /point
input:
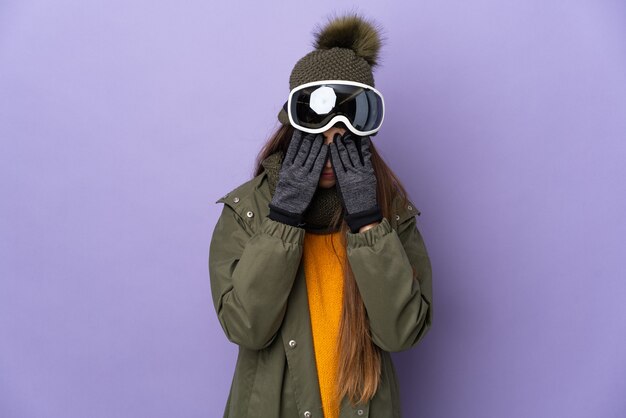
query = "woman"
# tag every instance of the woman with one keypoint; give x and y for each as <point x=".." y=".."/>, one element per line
<point x="318" y="270"/>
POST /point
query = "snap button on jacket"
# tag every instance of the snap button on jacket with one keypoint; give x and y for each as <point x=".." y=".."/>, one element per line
<point x="259" y="293"/>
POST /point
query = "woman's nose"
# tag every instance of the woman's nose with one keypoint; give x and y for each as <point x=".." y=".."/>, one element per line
<point x="330" y="133"/>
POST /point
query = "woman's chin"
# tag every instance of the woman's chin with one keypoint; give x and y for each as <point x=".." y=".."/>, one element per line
<point x="326" y="183"/>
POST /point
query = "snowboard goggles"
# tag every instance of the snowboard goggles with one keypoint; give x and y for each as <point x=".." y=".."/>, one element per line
<point x="315" y="107"/>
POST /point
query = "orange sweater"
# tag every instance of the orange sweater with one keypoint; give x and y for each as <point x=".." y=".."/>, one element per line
<point x="324" y="256"/>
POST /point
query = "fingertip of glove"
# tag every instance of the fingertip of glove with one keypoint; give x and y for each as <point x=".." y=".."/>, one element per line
<point x="332" y="148"/>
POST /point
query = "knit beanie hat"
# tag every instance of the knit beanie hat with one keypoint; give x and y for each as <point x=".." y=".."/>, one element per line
<point x="346" y="48"/>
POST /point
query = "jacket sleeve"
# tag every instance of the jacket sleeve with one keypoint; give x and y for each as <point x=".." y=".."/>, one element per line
<point x="393" y="273"/>
<point x="251" y="276"/>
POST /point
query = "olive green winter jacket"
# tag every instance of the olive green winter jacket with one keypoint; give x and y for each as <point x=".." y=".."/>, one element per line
<point x="259" y="292"/>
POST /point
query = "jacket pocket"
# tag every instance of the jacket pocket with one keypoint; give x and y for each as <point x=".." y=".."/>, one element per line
<point x="241" y="387"/>
<point x="288" y="407"/>
<point x="272" y="394"/>
<point x="385" y="404"/>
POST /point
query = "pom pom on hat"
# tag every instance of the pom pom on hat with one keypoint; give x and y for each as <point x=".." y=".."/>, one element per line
<point x="346" y="48"/>
<point x="351" y="32"/>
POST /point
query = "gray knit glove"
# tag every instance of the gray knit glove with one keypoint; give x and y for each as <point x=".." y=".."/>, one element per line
<point x="356" y="182"/>
<point x="298" y="178"/>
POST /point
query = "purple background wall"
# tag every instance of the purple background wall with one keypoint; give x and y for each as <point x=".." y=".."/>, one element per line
<point x="122" y="122"/>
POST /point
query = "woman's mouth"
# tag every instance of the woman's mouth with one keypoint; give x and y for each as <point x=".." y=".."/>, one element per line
<point x="328" y="174"/>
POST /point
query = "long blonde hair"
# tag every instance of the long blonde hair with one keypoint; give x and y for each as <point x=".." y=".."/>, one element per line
<point x="359" y="357"/>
